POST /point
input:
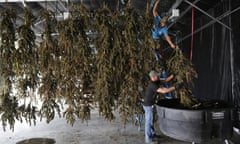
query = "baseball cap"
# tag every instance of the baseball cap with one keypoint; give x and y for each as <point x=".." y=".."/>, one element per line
<point x="153" y="73"/>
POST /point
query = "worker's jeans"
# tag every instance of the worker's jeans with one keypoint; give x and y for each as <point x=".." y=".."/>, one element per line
<point x="149" y="127"/>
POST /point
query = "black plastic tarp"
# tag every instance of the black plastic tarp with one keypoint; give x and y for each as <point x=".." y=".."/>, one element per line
<point x="216" y="53"/>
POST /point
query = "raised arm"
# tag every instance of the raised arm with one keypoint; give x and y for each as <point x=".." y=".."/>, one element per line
<point x="155" y="8"/>
<point x="169" y="41"/>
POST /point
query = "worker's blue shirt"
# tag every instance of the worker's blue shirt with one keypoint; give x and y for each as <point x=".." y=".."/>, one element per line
<point x="157" y="31"/>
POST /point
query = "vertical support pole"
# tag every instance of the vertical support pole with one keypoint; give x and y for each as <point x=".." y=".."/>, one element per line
<point x="231" y="56"/>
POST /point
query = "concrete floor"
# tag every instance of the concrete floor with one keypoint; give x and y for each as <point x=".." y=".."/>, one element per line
<point x="96" y="131"/>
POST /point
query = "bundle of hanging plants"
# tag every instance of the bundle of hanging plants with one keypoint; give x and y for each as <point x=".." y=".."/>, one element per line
<point x="76" y="60"/>
<point x="26" y="68"/>
<point x="9" y="103"/>
<point x="48" y="63"/>
<point x="105" y="76"/>
<point x="184" y="73"/>
<point x="18" y="70"/>
<point x="131" y="88"/>
<point x="7" y="48"/>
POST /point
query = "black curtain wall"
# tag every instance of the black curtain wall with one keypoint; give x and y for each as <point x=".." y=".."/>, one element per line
<point x="216" y="54"/>
<point x="235" y="24"/>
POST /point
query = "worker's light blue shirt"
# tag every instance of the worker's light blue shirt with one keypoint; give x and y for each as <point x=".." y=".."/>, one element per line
<point x="157" y="31"/>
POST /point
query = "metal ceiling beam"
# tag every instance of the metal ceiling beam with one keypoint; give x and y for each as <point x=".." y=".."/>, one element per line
<point x="210" y="23"/>
<point x="47" y="6"/>
<point x="208" y="14"/>
<point x="63" y="6"/>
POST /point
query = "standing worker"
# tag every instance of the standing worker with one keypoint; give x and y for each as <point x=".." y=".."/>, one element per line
<point x="160" y="30"/>
<point x="149" y="101"/>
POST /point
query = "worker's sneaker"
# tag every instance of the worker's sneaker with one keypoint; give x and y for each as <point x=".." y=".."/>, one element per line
<point x="152" y="142"/>
<point x="156" y="137"/>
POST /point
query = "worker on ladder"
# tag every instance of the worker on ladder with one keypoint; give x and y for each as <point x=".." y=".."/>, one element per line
<point x="160" y="30"/>
<point x="159" y="33"/>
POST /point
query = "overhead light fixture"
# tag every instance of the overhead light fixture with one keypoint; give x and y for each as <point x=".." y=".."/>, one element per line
<point x="66" y="15"/>
<point x="175" y="14"/>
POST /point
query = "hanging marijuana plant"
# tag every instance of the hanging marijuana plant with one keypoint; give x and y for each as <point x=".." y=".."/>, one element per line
<point x="26" y="65"/>
<point x="9" y="103"/>
<point x="183" y="72"/>
<point x="75" y="63"/>
<point x="7" y="59"/>
<point x="104" y="93"/>
<point x="130" y="92"/>
<point x="48" y="53"/>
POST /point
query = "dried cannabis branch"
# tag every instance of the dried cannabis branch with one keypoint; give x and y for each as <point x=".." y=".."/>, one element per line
<point x="9" y="103"/>
<point x="76" y="61"/>
<point x="16" y="68"/>
<point x="184" y="72"/>
<point x="104" y="93"/>
<point x="7" y="57"/>
<point x="26" y="56"/>
<point x="129" y="92"/>
<point x="48" y="68"/>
